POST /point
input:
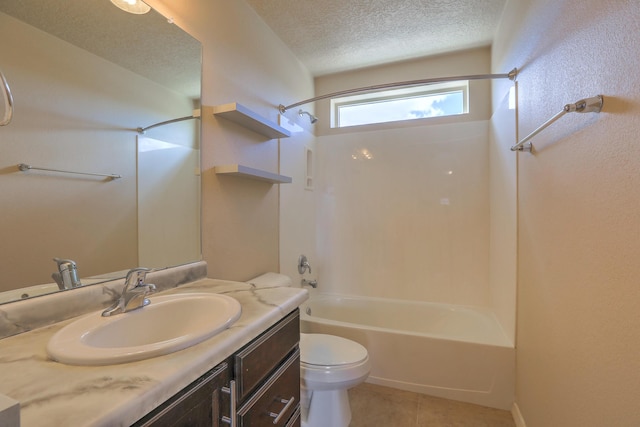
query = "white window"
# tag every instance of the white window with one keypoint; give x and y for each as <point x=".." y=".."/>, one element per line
<point x="416" y="102"/>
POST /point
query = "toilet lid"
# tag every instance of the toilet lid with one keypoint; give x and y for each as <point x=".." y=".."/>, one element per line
<point x="321" y="349"/>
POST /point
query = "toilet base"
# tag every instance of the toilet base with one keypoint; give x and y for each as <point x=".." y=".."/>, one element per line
<point x="327" y="408"/>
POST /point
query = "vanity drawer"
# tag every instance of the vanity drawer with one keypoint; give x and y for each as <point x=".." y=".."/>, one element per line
<point x="276" y="403"/>
<point x="255" y="362"/>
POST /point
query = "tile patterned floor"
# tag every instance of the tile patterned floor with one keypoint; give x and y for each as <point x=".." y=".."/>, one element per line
<point x="374" y="405"/>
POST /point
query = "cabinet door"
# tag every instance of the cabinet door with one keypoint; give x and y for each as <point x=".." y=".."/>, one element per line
<point x="198" y="405"/>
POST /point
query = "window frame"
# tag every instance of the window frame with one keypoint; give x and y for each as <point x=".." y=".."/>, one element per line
<point x="404" y="93"/>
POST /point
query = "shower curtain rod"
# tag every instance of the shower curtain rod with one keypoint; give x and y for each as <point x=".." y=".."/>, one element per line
<point x="511" y="75"/>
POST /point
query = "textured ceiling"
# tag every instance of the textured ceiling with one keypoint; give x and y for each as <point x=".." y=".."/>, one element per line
<point x="145" y="44"/>
<point x="336" y="35"/>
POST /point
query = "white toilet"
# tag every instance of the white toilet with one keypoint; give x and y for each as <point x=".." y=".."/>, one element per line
<point x="329" y="365"/>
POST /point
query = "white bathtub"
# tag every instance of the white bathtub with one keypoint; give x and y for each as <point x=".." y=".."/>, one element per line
<point x="455" y="352"/>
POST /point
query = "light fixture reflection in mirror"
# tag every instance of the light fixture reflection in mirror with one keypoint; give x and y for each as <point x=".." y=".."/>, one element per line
<point x="137" y="7"/>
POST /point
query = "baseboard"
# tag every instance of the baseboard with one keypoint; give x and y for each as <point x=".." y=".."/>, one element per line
<point x="491" y="399"/>
<point x="517" y="415"/>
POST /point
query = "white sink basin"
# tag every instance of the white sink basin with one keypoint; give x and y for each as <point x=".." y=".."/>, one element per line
<point x="169" y="323"/>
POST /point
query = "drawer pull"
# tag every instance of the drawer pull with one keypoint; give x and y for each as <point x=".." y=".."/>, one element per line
<point x="231" y="391"/>
<point x="283" y="411"/>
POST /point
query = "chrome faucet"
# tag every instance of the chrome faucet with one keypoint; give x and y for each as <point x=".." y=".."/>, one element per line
<point x="134" y="293"/>
<point x="303" y="264"/>
<point x="312" y="283"/>
<point x="67" y="275"/>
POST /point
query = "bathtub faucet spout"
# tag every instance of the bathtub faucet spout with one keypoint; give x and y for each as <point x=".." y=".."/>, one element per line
<point x="312" y="283"/>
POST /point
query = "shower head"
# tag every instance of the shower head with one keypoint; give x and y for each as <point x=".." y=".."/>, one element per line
<point x="312" y="118"/>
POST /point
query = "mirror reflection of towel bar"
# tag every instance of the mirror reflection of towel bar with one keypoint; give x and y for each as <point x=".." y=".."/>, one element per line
<point x="24" y="167"/>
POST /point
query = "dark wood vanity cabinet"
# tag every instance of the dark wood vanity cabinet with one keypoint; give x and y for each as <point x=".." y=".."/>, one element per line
<point x="258" y="386"/>
<point x="197" y="405"/>
<point x="267" y="375"/>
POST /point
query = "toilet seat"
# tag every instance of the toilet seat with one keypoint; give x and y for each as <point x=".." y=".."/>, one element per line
<point x="320" y="350"/>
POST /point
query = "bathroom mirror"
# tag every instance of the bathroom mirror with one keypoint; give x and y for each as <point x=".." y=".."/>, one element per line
<point x="85" y="76"/>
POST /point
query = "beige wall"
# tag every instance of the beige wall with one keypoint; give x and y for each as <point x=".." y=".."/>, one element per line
<point x="578" y="223"/>
<point x="243" y="61"/>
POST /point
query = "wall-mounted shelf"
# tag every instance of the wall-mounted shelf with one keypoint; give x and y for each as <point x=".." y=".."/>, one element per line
<point x="245" y="117"/>
<point x="247" y="172"/>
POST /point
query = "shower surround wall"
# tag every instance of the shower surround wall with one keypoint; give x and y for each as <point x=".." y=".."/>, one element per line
<point x="410" y="222"/>
<point x="431" y="216"/>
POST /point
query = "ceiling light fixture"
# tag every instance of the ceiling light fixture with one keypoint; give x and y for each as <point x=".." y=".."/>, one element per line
<point x="132" y="6"/>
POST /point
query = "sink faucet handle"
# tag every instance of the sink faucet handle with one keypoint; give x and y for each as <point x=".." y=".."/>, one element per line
<point x="135" y="277"/>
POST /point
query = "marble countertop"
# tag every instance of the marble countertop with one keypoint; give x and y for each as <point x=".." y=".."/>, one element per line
<point x="54" y="394"/>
